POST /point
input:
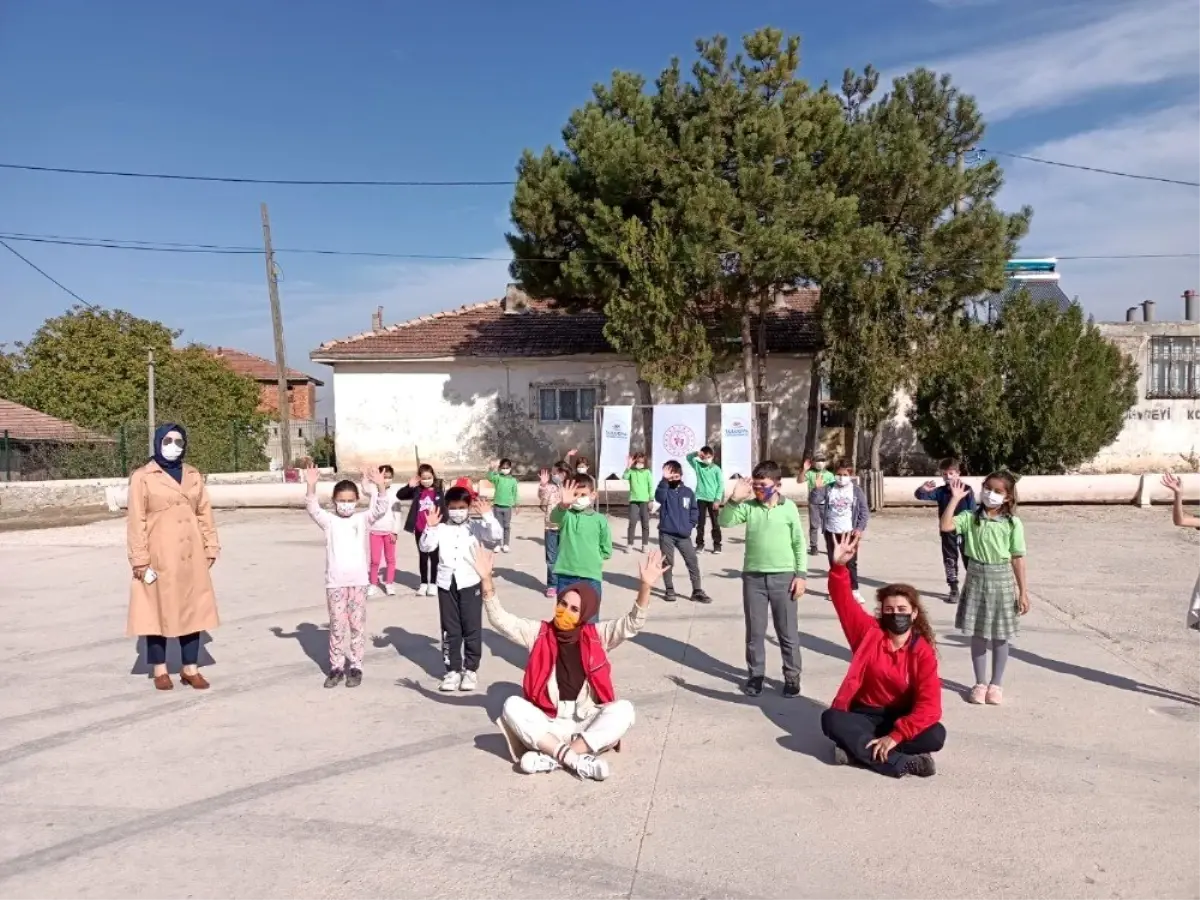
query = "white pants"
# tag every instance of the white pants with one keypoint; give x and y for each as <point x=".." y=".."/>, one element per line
<point x="600" y="730"/>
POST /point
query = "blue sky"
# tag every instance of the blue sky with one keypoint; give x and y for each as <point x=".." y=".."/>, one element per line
<point x="380" y="89"/>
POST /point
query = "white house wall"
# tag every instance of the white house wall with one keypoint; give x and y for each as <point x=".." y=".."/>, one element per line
<point x="457" y="414"/>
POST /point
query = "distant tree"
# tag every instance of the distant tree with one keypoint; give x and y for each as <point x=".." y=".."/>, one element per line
<point x="1038" y="391"/>
<point x="8" y="372"/>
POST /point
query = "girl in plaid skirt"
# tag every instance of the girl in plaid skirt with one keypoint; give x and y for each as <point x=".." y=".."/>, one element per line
<point x="995" y="594"/>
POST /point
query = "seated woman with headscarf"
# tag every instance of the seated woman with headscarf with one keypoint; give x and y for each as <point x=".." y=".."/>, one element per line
<point x="172" y="543"/>
<point x="886" y="715"/>
<point x="568" y="712"/>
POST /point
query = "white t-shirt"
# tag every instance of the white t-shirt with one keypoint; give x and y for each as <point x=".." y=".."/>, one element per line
<point x="839" y="508"/>
<point x="456" y="548"/>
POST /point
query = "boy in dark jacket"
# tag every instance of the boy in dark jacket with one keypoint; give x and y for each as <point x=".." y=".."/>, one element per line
<point x="952" y="543"/>
<point x="678" y="514"/>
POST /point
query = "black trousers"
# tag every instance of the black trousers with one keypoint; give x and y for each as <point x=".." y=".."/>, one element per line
<point x="852" y="730"/>
<point x="189" y="649"/>
<point x="639" y="511"/>
<point x="669" y="543"/>
<point x="830" y="547"/>
<point x="427" y="563"/>
<point x="952" y="549"/>
<point x="461" y="611"/>
<point x="708" y="510"/>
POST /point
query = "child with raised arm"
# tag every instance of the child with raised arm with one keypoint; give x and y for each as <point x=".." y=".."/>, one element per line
<point x="504" y="499"/>
<point x="995" y="594"/>
<point x="584" y="539"/>
<point x="383" y="535"/>
<point x="1172" y="483"/>
<point x="817" y="478"/>
<point x="710" y="491"/>
<point x="845" y="512"/>
<point x="550" y="484"/>
<point x="677" y="515"/>
<point x="427" y="492"/>
<point x="469" y="524"/>
<point x="346" y="575"/>
<point x="639" y="480"/>
<point x="952" y="542"/>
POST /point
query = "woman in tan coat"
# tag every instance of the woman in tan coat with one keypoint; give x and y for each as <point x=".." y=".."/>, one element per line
<point x="172" y="544"/>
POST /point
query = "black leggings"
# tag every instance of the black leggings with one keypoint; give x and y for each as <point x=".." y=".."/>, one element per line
<point x="189" y="649"/>
<point x="853" y="729"/>
<point x="428" y="563"/>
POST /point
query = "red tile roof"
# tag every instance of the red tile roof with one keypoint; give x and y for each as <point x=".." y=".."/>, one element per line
<point x="256" y="367"/>
<point x="25" y="424"/>
<point x="540" y="329"/>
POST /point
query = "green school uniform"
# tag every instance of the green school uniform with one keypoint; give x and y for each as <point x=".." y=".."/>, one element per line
<point x="506" y="489"/>
<point x="775" y="539"/>
<point x="639" y="485"/>
<point x="710" y="485"/>
<point x="990" y="541"/>
<point x="811" y="476"/>
<point x="584" y="542"/>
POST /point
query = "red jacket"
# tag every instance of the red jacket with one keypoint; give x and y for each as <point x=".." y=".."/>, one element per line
<point x="542" y="658"/>
<point x="910" y="682"/>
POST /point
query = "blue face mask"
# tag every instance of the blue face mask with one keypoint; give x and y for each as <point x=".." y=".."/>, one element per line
<point x="765" y="493"/>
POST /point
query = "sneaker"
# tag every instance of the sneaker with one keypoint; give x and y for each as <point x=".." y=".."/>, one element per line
<point x="812" y="551"/>
<point x="390" y="590"/>
<point x="534" y="763"/>
<point x="978" y="694"/>
<point x="423" y="591"/>
<point x="716" y="549"/>
<point x="451" y="682"/>
<point x="470" y="681"/>
<point x="920" y="765"/>
<point x="840" y="756"/>
<point x="592" y="768"/>
<point x="700" y="597"/>
<point x="753" y="686"/>
<point x="374" y="591"/>
<point x="354" y="678"/>
<point x="334" y="678"/>
<point x="791" y="687"/>
<point x="952" y="593"/>
<point x="504" y="548"/>
<point x="431" y="590"/>
<point x="643" y="548"/>
<point x="859" y="597"/>
<point x="669" y="596"/>
<point x="994" y="695"/>
<point x="552" y="593"/>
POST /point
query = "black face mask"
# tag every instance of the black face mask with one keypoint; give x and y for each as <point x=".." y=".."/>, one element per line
<point x="896" y="623"/>
<point x="673" y="484"/>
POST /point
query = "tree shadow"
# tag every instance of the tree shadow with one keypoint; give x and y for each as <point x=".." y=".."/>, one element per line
<point x="491" y="701"/>
<point x="522" y="579"/>
<point x="620" y="579"/>
<point x="174" y="661"/>
<point x="313" y="640"/>
<point x="842" y="652"/>
<point x="421" y="649"/>
<point x="1096" y="676"/>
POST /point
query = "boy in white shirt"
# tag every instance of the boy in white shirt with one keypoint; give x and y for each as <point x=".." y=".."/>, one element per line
<point x="460" y="596"/>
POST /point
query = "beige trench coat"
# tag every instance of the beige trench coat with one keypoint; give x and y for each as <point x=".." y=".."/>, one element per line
<point x="170" y="528"/>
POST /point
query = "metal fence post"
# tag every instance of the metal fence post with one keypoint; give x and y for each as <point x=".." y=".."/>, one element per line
<point x="122" y="451"/>
<point x="7" y="457"/>
<point x="236" y="468"/>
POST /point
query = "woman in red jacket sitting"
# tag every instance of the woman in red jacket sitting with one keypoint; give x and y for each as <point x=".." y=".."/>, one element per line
<point x="887" y="713"/>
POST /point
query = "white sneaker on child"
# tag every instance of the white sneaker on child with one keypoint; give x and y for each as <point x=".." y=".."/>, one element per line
<point x="504" y="549"/>
<point x="420" y="592"/>
<point x="390" y="590"/>
<point x="374" y="591"/>
<point x="470" y="681"/>
<point x="451" y="682"/>
<point x="591" y="767"/>
<point x="534" y="763"/>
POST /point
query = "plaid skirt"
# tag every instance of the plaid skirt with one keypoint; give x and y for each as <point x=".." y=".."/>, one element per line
<point x="988" y="605"/>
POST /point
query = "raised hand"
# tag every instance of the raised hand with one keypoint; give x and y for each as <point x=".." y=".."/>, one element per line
<point x="375" y="476"/>
<point x="929" y="485"/>
<point x="568" y="493"/>
<point x="1172" y="483"/>
<point x="483" y="561"/>
<point x="574" y="451"/>
<point x="543" y="477"/>
<point x="629" y="462"/>
<point x="433" y="518"/>
<point x="958" y="488"/>
<point x="742" y="490"/>
<point x="651" y="568"/>
<point x="414" y="481"/>
<point x="806" y="465"/>
<point x="311" y="474"/>
<point x="481" y="507"/>
<point x="845" y="546"/>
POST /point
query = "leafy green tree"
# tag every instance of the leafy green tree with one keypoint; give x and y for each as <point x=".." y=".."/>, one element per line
<point x="8" y="372"/>
<point x="1038" y="391"/>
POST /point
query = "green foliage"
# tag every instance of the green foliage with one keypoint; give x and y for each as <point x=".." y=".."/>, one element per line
<point x="324" y="452"/>
<point x="88" y="366"/>
<point x="1038" y="392"/>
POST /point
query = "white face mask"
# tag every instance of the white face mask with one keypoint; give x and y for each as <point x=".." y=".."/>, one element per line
<point x="582" y="470"/>
<point x="946" y="479"/>
<point x="506" y="471"/>
<point x="345" y="508"/>
<point x="171" y="452"/>
<point x="842" y="480"/>
<point x="992" y="499"/>
<point x="426" y="482"/>
<point x="820" y="464"/>
<point x="458" y="516"/>
<point x="581" y="503"/>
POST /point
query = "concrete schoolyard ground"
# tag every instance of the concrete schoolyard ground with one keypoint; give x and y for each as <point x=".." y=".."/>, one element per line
<point x="1083" y="785"/>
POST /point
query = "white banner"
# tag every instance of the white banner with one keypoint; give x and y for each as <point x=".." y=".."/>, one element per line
<point x="737" y="459"/>
<point x="615" y="426"/>
<point x="679" y="429"/>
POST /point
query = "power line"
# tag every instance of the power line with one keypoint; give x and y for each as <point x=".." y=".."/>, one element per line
<point x="223" y="179"/>
<point x="45" y="274"/>
<point x="1063" y="165"/>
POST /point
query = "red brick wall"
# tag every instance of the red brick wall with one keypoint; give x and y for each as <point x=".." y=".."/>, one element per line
<point x="302" y="399"/>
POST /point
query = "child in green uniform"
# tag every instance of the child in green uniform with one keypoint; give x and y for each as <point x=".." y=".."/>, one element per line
<point x="817" y="478"/>
<point x="638" y="477"/>
<point x="995" y="594"/>
<point x="710" y="491"/>
<point x="505" y="486"/>
<point x="584" y="540"/>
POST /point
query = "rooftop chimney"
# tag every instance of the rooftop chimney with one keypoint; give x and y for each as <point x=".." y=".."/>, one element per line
<point x="1191" y="308"/>
<point x="515" y="300"/>
<point x="1131" y="314"/>
<point x="1147" y="310"/>
<point x="377" y="319"/>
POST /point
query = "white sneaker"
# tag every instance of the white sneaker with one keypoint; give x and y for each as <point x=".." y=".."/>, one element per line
<point x="451" y="682"/>
<point x="504" y="549"/>
<point x="374" y="591"/>
<point x="390" y="590"/>
<point x="534" y="763"/>
<point x="470" y="681"/>
<point x="591" y="767"/>
<point x="421" y="592"/>
<point x="859" y="597"/>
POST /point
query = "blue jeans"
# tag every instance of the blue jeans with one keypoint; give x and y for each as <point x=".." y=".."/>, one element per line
<point x="565" y="581"/>
<point x="551" y="557"/>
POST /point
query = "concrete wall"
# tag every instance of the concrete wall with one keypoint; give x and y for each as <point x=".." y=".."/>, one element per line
<point x="458" y="414"/>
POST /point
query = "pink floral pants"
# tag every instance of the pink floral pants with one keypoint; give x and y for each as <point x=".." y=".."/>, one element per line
<point x="347" y="612"/>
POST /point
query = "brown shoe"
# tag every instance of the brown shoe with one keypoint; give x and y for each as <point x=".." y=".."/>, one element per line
<point x="163" y="683"/>
<point x="196" y="681"/>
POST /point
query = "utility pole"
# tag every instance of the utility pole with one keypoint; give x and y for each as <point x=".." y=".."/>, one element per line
<point x="285" y="428"/>
<point x="150" y="400"/>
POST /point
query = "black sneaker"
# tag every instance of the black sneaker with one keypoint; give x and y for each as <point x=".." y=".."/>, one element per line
<point x="753" y="686"/>
<point x="840" y="756"/>
<point x="952" y="594"/>
<point x="812" y="551"/>
<point x="700" y="597"/>
<point x="920" y="765"/>
<point x="717" y="549"/>
<point x="354" y="678"/>
<point x="791" y="687"/>
<point x="334" y="678"/>
<point x="669" y="596"/>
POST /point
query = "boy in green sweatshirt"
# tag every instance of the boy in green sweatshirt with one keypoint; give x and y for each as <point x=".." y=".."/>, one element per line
<point x="773" y="573"/>
<point x="584" y="540"/>
<point x="639" y="480"/>
<point x="710" y="491"/>
<point x="505" y="487"/>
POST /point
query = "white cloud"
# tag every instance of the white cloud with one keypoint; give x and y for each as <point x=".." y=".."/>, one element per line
<point x="1088" y="214"/>
<point x="1136" y="44"/>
